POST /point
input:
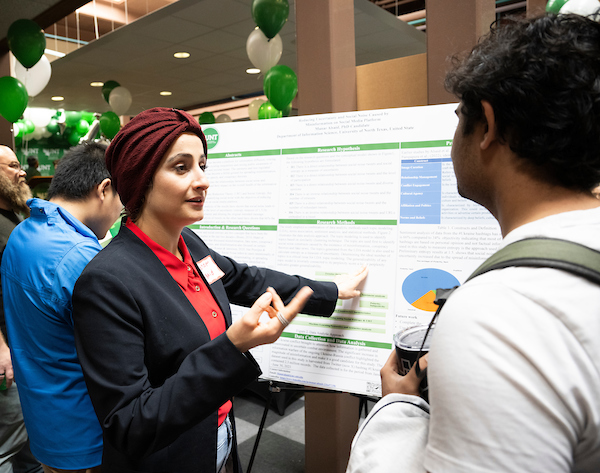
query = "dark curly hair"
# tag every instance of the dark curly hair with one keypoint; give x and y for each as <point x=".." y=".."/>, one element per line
<point x="542" y="78"/>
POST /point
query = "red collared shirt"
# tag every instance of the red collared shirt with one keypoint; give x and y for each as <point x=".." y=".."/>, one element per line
<point x="193" y="286"/>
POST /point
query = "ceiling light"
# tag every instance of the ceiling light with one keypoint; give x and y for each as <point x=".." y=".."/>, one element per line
<point x="252" y="70"/>
<point x="57" y="98"/>
<point x="181" y="55"/>
<point x="96" y="84"/>
<point x="166" y="92"/>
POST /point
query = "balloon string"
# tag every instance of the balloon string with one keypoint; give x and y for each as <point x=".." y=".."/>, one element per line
<point x="96" y="21"/>
<point x="77" y="26"/>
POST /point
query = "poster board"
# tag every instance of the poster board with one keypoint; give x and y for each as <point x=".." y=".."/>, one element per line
<point x="324" y="194"/>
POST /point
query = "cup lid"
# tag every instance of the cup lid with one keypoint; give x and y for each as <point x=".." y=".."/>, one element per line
<point x="412" y="338"/>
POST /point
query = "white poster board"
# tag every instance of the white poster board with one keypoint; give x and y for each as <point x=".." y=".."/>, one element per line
<point x="321" y="195"/>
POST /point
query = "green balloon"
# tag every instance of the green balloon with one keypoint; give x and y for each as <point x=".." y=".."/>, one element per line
<point x="27" y="42"/>
<point x="286" y="112"/>
<point x="206" y="118"/>
<point x="72" y="118"/>
<point x="109" y="124"/>
<point x="554" y="6"/>
<point x="270" y="15"/>
<point x="13" y="98"/>
<point x="107" y="88"/>
<point x="88" y="117"/>
<point x="53" y="126"/>
<point x="66" y="135"/>
<point x="29" y="126"/>
<point x="82" y="127"/>
<point x="73" y="138"/>
<point x="280" y="86"/>
<point x="267" y="111"/>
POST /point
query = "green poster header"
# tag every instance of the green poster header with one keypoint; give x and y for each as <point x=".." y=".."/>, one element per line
<point x="245" y="154"/>
<point x="260" y="228"/>
<point x="426" y="144"/>
<point x="295" y="221"/>
<point x="339" y="341"/>
<point x="341" y="149"/>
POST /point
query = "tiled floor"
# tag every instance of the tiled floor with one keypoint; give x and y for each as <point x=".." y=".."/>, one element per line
<point x="281" y="446"/>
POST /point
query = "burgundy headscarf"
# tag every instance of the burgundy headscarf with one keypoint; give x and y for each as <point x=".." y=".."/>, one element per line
<point x="135" y="153"/>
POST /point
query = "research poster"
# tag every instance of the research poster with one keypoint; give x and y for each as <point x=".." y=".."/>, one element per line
<point x="324" y="194"/>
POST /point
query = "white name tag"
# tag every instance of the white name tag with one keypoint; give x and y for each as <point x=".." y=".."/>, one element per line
<point x="210" y="270"/>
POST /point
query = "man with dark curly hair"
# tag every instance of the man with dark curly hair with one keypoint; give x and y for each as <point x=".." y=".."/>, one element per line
<point x="514" y="363"/>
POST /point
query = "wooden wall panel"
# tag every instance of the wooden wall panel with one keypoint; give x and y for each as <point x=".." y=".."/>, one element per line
<point x="395" y="83"/>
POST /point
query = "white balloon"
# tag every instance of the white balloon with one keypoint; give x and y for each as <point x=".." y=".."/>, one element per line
<point x="38" y="133"/>
<point x="36" y="77"/>
<point x="253" y="108"/>
<point x="46" y="133"/>
<point x="580" y="7"/>
<point x="223" y="118"/>
<point x="119" y="100"/>
<point x="264" y="54"/>
<point x="39" y="116"/>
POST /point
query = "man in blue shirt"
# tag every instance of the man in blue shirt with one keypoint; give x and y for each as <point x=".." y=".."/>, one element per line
<point x="15" y="455"/>
<point x="43" y="258"/>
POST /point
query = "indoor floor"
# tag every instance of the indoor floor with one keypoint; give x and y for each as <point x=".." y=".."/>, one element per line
<point x="281" y="446"/>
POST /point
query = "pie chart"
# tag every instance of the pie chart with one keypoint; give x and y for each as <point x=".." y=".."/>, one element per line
<point x="419" y="287"/>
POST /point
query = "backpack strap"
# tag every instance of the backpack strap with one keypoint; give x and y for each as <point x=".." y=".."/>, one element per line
<point x="537" y="253"/>
<point x="546" y="253"/>
<point x="533" y="252"/>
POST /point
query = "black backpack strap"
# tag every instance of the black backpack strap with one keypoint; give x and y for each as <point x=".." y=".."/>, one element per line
<point x="546" y="253"/>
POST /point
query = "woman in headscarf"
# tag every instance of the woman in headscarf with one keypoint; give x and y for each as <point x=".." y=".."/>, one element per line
<point x="161" y="357"/>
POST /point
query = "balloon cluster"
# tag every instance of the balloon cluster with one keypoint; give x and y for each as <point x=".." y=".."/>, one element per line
<point x="117" y="96"/>
<point x="61" y="129"/>
<point x="208" y="118"/>
<point x="64" y="129"/>
<point x="27" y="42"/>
<point x="264" y="48"/>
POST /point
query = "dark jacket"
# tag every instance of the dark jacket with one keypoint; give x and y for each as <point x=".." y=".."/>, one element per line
<point x="8" y="221"/>
<point x="154" y="376"/>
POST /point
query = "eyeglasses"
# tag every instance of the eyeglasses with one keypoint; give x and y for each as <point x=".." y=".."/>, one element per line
<point x="13" y="165"/>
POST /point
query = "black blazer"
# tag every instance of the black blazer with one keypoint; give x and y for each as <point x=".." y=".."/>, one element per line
<point x="155" y="378"/>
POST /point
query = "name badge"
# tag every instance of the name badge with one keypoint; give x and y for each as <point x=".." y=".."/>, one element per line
<point x="210" y="270"/>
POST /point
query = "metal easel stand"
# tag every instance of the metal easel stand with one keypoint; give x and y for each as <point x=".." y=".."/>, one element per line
<point x="274" y="388"/>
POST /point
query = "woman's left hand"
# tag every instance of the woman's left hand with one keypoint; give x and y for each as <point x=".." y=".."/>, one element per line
<point x="249" y="331"/>
<point x="347" y="283"/>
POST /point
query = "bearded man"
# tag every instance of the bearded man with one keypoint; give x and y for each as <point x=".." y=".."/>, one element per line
<point x="14" y="448"/>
